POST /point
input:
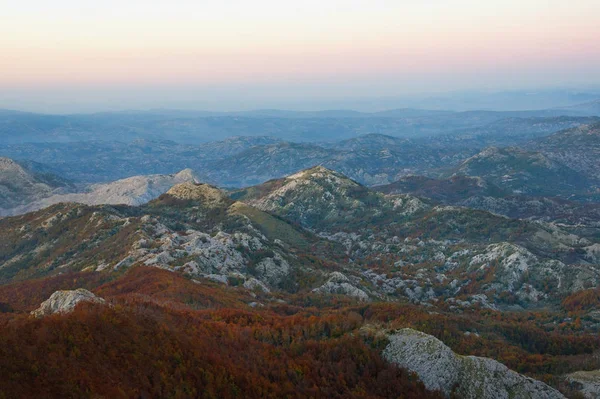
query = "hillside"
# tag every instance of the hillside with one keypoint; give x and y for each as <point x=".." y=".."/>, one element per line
<point x="134" y="190"/>
<point x="370" y="159"/>
<point x="525" y="172"/>
<point x="375" y="245"/>
<point x="452" y="190"/>
<point x="262" y="163"/>
<point x="401" y="238"/>
<point x="587" y="108"/>
<point x="21" y="184"/>
<point x="195" y="229"/>
<point x="577" y="148"/>
<point x="476" y="193"/>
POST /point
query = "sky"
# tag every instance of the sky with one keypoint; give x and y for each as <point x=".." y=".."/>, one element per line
<point x="71" y="56"/>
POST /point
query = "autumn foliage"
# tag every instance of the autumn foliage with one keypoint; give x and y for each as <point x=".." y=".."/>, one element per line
<point x="582" y="300"/>
<point x="164" y="335"/>
<point x="147" y="348"/>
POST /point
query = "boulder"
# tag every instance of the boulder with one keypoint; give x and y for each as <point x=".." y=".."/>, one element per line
<point x="65" y="301"/>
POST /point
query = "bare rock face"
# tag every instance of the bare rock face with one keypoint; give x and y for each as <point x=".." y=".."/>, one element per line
<point x="136" y="190"/>
<point x="65" y="302"/>
<point x="587" y="382"/>
<point x="467" y="376"/>
<point x="339" y="284"/>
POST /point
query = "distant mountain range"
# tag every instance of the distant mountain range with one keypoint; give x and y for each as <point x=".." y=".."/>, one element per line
<point x="541" y="161"/>
<point x="371" y="158"/>
<point x="195" y="127"/>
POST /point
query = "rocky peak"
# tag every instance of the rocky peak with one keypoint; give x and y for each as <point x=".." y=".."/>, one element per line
<point x="135" y="190"/>
<point x="6" y="163"/>
<point x="204" y="193"/>
<point x="65" y="301"/>
<point x="187" y="175"/>
<point x="319" y="172"/>
<point x="319" y="197"/>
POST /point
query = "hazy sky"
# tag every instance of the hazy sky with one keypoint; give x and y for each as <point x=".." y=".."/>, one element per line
<point x="65" y="55"/>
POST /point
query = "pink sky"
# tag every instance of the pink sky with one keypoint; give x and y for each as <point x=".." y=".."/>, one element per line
<point x="388" y="46"/>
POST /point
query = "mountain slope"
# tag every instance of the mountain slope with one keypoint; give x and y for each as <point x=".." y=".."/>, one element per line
<point x="134" y="190"/>
<point x="370" y="159"/>
<point x="319" y="197"/>
<point x="314" y="231"/>
<point x="448" y="191"/>
<point x="262" y="163"/>
<point x="21" y="184"/>
<point x="193" y="228"/>
<point x="578" y="148"/>
<point x="410" y="247"/>
<point x="476" y="193"/>
<point x="524" y="172"/>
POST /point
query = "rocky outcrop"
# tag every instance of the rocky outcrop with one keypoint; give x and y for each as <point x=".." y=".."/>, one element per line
<point x="65" y="301"/>
<point x="586" y="382"/>
<point x="339" y="284"/>
<point x="467" y="376"/>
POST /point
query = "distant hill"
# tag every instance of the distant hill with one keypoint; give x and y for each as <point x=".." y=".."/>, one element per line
<point x="578" y="148"/>
<point x="587" y="108"/>
<point x="258" y="164"/>
<point x="525" y="172"/>
<point x="22" y="183"/>
<point x="477" y="193"/>
<point x="134" y="190"/>
<point x="370" y="159"/>
<point x="196" y="127"/>
<point x="449" y="191"/>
